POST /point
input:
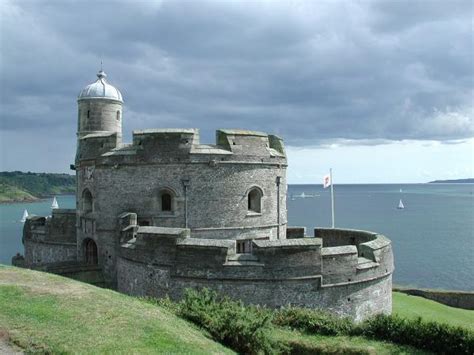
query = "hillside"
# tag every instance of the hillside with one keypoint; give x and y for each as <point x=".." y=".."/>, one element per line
<point x="18" y="186"/>
<point x="46" y="313"/>
<point x="413" y="307"/>
<point x="50" y="314"/>
<point x="457" y="181"/>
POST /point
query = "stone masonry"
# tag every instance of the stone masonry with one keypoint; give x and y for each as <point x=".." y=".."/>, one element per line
<point x="165" y="213"/>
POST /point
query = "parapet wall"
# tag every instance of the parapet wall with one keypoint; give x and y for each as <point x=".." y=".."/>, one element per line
<point x="353" y="255"/>
<point x="50" y="239"/>
<point x="162" y="262"/>
<point x="183" y="145"/>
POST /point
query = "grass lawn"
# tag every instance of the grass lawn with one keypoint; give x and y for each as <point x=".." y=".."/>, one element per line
<point x="319" y="344"/>
<point x="43" y="312"/>
<point x="414" y="306"/>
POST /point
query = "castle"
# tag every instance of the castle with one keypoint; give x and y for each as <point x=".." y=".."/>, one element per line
<point x="165" y="213"/>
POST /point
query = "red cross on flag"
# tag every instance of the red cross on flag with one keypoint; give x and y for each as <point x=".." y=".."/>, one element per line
<point x="327" y="181"/>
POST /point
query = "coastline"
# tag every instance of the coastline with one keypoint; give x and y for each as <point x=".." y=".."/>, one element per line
<point x="35" y="199"/>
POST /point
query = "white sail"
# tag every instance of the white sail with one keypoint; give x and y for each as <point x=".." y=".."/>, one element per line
<point x="25" y="216"/>
<point x="55" y="204"/>
<point x="400" y="205"/>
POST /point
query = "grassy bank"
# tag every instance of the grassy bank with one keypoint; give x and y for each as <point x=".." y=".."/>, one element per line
<point x="43" y="312"/>
<point x="47" y="313"/>
<point x="413" y="307"/>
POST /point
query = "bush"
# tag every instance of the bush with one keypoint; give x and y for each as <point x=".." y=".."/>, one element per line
<point x="313" y="321"/>
<point x="433" y="336"/>
<point x="243" y="328"/>
<point x="165" y="303"/>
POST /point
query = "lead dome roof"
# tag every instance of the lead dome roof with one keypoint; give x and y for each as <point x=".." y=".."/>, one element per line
<point x="100" y="89"/>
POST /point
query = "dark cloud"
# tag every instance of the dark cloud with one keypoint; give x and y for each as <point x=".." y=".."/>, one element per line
<point x="308" y="71"/>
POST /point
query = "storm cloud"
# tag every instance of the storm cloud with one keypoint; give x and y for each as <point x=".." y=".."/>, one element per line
<point x="309" y="71"/>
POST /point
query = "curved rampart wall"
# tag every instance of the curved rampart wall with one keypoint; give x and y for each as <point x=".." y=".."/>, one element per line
<point x="156" y="263"/>
<point x="354" y="255"/>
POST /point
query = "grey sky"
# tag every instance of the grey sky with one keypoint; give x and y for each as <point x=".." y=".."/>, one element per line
<point x="314" y="72"/>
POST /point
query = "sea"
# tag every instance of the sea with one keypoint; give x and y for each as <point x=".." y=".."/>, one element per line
<point x="432" y="237"/>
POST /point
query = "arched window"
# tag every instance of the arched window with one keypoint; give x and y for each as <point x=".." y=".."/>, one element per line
<point x="255" y="200"/>
<point x="90" y="252"/>
<point x="166" y="201"/>
<point x="118" y="115"/>
<point x="87" y="202"/>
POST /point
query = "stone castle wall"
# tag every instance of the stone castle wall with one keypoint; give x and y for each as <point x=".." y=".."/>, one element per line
<point x="209" y="185"/>
<point x="155" y="262"/>
<point x="50" y="239"/>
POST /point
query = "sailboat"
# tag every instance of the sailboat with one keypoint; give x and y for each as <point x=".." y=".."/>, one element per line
<point x="25" y="216"/>
<point x="55" y="204"/>
<point x="400" y="205"/>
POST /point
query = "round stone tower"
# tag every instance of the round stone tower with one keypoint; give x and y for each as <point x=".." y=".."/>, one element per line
<point x="99" y="114"/>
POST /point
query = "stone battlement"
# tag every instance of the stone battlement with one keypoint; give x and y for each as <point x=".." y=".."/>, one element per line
<point x="183" y="145"/>
<point x="282" y="258"/>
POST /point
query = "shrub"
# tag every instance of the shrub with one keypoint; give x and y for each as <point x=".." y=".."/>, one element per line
<point x="243" y="328"/>
<point x="313" y="321"/>
<point x="433" y="336"/>
<point x="165" y="303"/>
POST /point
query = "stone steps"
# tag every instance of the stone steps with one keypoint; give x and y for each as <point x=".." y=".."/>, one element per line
<point x="364" y="263"/>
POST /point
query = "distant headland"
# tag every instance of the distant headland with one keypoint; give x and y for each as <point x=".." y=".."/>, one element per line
<point x="17" y="186"/>
<point x="456" y="181"/>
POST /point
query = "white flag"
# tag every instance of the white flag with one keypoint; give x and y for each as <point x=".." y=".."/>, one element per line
<point x="327" y="181"/>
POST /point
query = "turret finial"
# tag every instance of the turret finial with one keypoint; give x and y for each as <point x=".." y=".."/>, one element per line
<point x="101" y="74"/>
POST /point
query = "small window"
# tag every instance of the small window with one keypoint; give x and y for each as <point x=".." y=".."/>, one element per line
<point x="255" y="200"/>
<point x="87" y="202"/>
<point x="244" y="246"/>
<point x="88" y="113"/>
<point x="118" y="115"/>
<point x="166" y="202"/>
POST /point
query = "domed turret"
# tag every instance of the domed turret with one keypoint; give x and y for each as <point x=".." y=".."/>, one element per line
<point x="99" y="118"/>
<point x="101" y="89"/>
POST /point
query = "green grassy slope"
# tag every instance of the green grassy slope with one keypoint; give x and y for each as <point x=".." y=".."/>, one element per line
<point x="47" y="313"/>
<point x="19" y="186"/>
<point x="321" y="344"/>
<point x="413" y="307"/>
<point x="43" y="312"/>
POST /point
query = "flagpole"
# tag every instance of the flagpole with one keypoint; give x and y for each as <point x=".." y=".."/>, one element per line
<point x="332" y="197"/>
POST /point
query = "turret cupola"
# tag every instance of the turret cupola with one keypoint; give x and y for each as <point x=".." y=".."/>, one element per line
<point x="100" y="89"/>
<point x="99" y="126"/>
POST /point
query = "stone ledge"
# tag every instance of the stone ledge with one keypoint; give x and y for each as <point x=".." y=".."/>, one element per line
<point x="288" y="243"/>
<point x="365" y="264"/>
<point x="342" y="250"/>
<point x="164" y="231"/>
<point x="205" y="243"/>
<point x="166" y="131"/>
